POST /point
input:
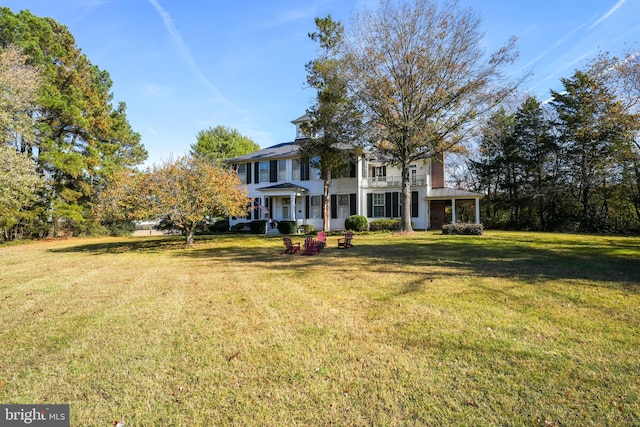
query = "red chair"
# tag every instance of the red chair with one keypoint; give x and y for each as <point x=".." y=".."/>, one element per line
<point x="345" y="242"/>
<point x="311" y="246"/>
<point x="290" y="247"/>
<point x="322" y="239"/>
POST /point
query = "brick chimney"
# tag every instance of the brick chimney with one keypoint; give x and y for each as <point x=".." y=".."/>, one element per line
<point x="437" y="171"/>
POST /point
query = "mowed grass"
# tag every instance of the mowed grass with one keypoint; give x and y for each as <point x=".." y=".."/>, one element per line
<point x="511" y="329"/>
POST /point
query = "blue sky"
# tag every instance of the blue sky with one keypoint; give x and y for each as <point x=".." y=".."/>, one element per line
<point x="182" y="66"/>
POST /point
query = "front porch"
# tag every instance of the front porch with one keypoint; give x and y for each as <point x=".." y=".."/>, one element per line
<point x="449" y="206"/>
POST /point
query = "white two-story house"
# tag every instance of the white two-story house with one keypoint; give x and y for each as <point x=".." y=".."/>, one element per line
<point x="283" y="186"/>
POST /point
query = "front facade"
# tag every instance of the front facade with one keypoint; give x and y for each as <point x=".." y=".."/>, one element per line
<point x="284" y="187"/>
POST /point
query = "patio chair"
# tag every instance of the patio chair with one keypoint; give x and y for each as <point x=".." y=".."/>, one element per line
<point x="322" y="239"/>
<point x="311" y="246"/>
<point x="290" y="247"/>
<point x="345" y="242"/>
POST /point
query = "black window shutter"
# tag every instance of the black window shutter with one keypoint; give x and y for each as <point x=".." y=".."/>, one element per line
<point x="304" y="169"/>
<point x="273" y="171"/>
<point x="256" y="169"/>
<point x="414" y="204"/>
<point x="248" y="168"/>
<point x="352" y="204"/>
<point x="387" y="205"/>
<point x="384" y="171"/>
<point x="352" y="169"/>
<point x="306" y="207"/>
<point x="334" y="206"/>
<point x="395" y="204"/>
<point x="370" y="205"/>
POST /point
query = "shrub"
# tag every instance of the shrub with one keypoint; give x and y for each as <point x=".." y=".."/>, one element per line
<point x="241" y="226"/>
<point x="287" y="227"/>
<point x="463" y="228"/>
<point x="356" y="223"/>
<point x="219" y="226"/>
<point x="258" y="226"/>
<point x="307" y="228"/>
<point x="385" y="225"/>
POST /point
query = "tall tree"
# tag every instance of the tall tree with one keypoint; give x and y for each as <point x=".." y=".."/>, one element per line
<point x="221" y="143"/>
<point x="594" y="126"/>
<point x="333" y="128"/>
<point x="184" y="192"/>
<point x="79" y="136"/>
<point x="421" y="72"/>
<point x="490" y="166"/>
<point x="538" y="155"/>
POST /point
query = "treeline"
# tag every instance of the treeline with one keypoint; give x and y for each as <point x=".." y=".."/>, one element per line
<point x="61" y="136"/>
<point x="571" y="163"/>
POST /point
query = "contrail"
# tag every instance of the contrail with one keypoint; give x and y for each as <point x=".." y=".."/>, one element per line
<point x="608" y="14"/>
<point x="183" y="50"/>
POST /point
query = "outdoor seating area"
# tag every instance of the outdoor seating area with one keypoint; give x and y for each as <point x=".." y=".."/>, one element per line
<point x="313" y="246"/>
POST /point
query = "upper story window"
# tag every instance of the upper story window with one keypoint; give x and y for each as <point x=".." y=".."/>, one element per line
<point x="282" y="170"/>
<point x="242" y="172"/>
<point x="300" y="169"/>
<point x="264" y="171"/>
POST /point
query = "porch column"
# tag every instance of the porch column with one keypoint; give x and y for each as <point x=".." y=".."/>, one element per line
<point x="292" y="203"/>
<point x="428" y="218"/>
<point x="477" y="210"/>
<point x="453" y="211"/>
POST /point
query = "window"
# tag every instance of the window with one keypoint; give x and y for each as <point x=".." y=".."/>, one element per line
<point x="300" y="169"/>
<point x="380" y="173"/>
<point x="378" y="205"/>
<point x="344" y="206"/>
<point x="314" y="173"/>
<point x="295" y="169"/>
<point x="264" y="171"/>
<point x="315" y="206"/>
<point x="282" y="170"/>
<point x="242" y="172"/>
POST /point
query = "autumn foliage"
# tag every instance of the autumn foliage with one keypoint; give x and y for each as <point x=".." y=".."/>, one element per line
<point x="185" y="192"/>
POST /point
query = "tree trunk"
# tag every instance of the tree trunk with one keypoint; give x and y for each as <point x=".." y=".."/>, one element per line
<point x="405" y="221"/>
<point x="188" y="233"/>
<point x="326" y="205"/>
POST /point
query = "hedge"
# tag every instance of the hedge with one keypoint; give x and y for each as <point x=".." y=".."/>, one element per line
<point x="287" y="227"/>
<point x="384" y="225"/>
<point x="258" y="226"/>
<point x="463" y="228"/>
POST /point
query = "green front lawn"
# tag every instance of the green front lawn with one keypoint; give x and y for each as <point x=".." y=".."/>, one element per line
<point x="501" y="329"/>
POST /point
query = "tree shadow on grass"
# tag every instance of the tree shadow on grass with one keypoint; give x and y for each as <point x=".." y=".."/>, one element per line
<point x="516" y="260"/>
<point x="611" y="260"/>
<point x="149" y="245"/>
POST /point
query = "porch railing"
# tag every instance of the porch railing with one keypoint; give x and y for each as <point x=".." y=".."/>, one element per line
<point x="394" y="181"/>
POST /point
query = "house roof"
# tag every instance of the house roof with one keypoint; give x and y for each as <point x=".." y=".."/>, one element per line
<point x="284" y="186"/>
<point x="451" y="193"/>
<point x="286" y="149"/>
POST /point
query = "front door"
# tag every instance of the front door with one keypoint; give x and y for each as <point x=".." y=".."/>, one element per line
<point x="286" y="208"/>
